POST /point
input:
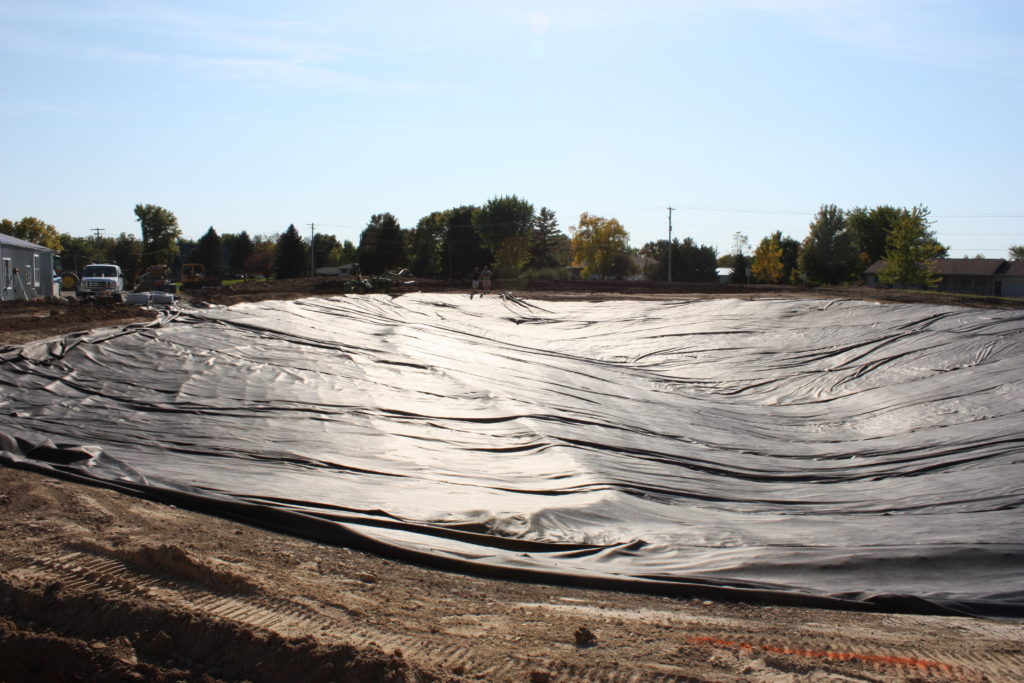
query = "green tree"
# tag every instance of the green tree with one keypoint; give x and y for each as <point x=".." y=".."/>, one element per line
<point x="870" y="228"/>
<point x="160" y="234"/>
<point x="237" y="249"/>
<point x="210" y="252"/>
<point x="78" y="252"/>
<point x="425" y="251"/>
<point x="381" y="245"/>
<point x="463" y="248"/>
<point x="343" y="254"/>
<point x="505" y="224"/>
<point x="828" y="254"/>
<point x="292" y="256"/>
<point x="601" y="246"/>
<point x="546" y="240"/>
<point x="1017" y="252"/>
<point x="910" y="250"/>
<point x="126" y="251"/>
<point x="32" y="230"/>
<point x="323" y="247"/>
<point x="691" y="262"/>
<point x="740" y="267"/>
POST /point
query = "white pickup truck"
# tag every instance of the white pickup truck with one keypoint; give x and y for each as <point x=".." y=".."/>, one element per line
<point x="101" y="280"/>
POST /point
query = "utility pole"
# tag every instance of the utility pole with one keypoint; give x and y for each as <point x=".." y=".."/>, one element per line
<point x="670" y="210"/>
<point x="312" y="266"/>
<point x="97" y="232"/>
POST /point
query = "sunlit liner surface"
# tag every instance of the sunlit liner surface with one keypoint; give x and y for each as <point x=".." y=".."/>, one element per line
<point x="840" y="449"/>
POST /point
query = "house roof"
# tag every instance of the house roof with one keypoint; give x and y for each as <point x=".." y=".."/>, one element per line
<point x="1013" y="269"/>
<point x="967" y="266"/>
<point x="9" y="241"/>
<point x="955" y="266"/>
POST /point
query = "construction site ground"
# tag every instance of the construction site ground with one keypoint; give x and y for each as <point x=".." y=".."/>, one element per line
<point x="98" y="585"/>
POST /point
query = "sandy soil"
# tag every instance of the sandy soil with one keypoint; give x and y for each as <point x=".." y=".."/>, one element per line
<point x="96" y="585"/>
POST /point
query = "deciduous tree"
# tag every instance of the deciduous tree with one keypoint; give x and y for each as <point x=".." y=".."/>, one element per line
<point x="463" y="248"/>
<point x="910" y="249"/>
<point x="828" y="254"/>
<point x="601" y="247"/>
<point x="504" y="224"/>
<point x="381" y="245"/>
<point x="323" y="250"/>
<point x="427" y="243"/>
<point x="126" y="251"/>
<point x="32" y="230"/>
<point x="160" y="234"/>
<point x="767" y="266"/>
<point x="1017" y="252"/>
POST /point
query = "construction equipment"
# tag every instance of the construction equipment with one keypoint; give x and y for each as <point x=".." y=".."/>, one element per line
<point x="194" y="275"/>
<point x="156" y="279"/>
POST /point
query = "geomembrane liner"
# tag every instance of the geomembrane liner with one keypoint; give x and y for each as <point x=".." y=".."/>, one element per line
<point x="834" y="453"/>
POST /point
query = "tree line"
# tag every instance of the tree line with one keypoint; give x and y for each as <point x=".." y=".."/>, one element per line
<point x="508" y="235"/>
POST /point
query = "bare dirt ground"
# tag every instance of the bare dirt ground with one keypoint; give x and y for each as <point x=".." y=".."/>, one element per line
<point x="97" y="585"/>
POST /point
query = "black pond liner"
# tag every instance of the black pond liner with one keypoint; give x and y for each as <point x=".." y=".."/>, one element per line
<point x="838" y="454"/>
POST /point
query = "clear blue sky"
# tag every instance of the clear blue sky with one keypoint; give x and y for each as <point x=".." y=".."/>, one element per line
<point x="746" y="115"/>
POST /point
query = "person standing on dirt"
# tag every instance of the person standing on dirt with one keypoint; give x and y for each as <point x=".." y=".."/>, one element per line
<point x="476" y="279"/>
<point x="485" y="278"/>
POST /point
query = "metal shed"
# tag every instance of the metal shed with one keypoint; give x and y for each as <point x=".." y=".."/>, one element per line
<point x="26" y="270"/>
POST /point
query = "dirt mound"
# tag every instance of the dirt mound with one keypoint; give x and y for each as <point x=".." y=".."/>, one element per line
<point x="22" y="321"/>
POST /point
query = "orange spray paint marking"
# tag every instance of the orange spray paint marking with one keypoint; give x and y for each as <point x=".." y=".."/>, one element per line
<point x="922" y="665"/>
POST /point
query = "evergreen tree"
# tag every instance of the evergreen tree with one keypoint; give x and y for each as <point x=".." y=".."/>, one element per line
<point x="210" y="253"/>
<point x="292" y="256"/>
<point x="546" y="239"/>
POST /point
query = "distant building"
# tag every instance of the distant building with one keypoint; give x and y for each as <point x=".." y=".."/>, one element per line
<point x="724" y="274"/>
<point x="982" y="276"/>
<point x="347" y="270"/>
<point x="26" y="270"/>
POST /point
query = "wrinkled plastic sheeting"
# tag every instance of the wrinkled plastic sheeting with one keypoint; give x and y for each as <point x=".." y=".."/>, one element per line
<point x="803" y="451"/>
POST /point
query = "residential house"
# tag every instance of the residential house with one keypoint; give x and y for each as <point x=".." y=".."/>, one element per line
<point x="982" y="276"/>
<point x="1010" y="280"/>
<point x="26" y="270"/>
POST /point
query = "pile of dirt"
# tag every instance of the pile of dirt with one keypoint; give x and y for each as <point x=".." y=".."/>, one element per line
<point x="22" y="321"/>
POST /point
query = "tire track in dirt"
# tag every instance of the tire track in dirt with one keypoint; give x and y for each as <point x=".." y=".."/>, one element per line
<point x="85" y="571"/>
<point x="82" y="572"/>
